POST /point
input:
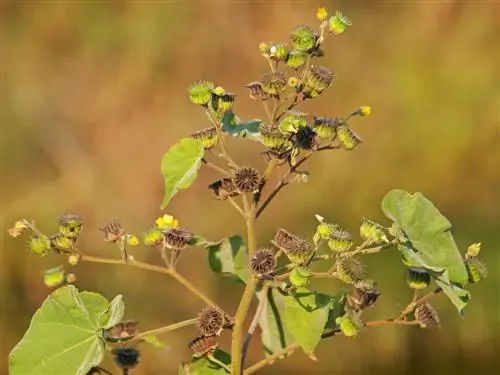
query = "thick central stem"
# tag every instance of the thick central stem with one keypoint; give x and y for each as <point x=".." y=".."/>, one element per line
<point x="246" y="299"/>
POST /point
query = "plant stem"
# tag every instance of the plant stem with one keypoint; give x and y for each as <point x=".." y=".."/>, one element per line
<point x="225" y="155"/>
<point x="237" y="206"/>
<point x="151" y="267"/>
<point x="171" y="327"/>
<point x="267" y="361"/>
<point x="215" y="167"/>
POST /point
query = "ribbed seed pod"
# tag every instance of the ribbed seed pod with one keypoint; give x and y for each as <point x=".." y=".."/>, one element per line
<point x="304" y="38"/>
<point x="271" y="137"/>
<point x="113" y="231"/>
<point x="126" y="357"/>
<point x="426" y="316"/>
<point x="338" y="23"/>
<point x="326" y="128"/>
<point x="177" y="238"/>
<point x="256" y="91"/>
<point x="153" y="237"/>
<point x="306" y="138"/>
<point x="61" y="243"/>
<point x="39" y="244"/>
<point x="476" y="270"/>
<point x="70" y="225"/>
<point x="273" y="83"/>
<point x="208" y="137"/>
<point x="350" y="324"/>
<point x="247" y="180"/>
<point x="225" y="102"/>
<point x="201" y="92"/>
<point x="418" y="278"/>
<point x="372" y="232"/>
<point x="292" y="121"/>
<point x="299" y="277"/>
<point x="350" y="270"/>
<point x="263" y="262"/>
<point x="203" y="345"/>
<point x="340" y="241"/>
<point x="318" y="78"/>
<point x="278" y="52"/>
<point x="296" y="59"/>
<point x="364" y="294"/>
<point x="298" y="250"/>
<point x="324" y="231"/>
<point x="281" y="153"/>
<point x="210" y="321"/>
<point x="224" y="188"/>
<point x="348" y="137"/>
<point x="473" y="250"/>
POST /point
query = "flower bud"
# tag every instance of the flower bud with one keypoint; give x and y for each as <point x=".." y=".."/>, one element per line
<point x="296" y="59"/>
<point x="299" y="277"/>
<point x="321" y="14"/>
<point x="372" y="232"/>
<point x="338" y="23"/>
<point x="347" y="137"/>
<point x="39" y="244"/>
<point x="200" y="93"/>
<point x="340" y="241"/>
<point x="208" y="137"/>
<point x="350" y="324"/>
<point x="473" y="250"/>
<point x="70" y="225"/>
<point x="304" y="38"/>
<point x="476" y="270"/>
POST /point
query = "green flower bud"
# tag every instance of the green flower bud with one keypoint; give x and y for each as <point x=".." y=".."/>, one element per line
<point x="304" y="38"/>
<point x="347" y="137"/>
<point x="418" y="278"/>
<point x="473" y="250"/>
<point x="296" y="59"/>
<point x="225" y="102"/>
<point x="326" y="128"/>
<point x="350" y="324"/>
<point x="54" y="277"/>
<point x="338" y="23"/>
<point x="292" y="121"/>
<point x="70" y="225"/>
<point x="476" y="270"/>
<point x="73" y="259"/>
<point x="208" y="137"/>
<point x="273" y="83"/>
<point x="318" y="78"/>
<point x="62" y="244"/>
<point x="372" y="232"/>
<point x="39" y="244"/>
<point x="340" y="241"/>
<point x="132" y="240"/>
<point x="153" y="237"/>
<point x="350" y="270"/>
<point x="278" y="52"/>
<point x="200" y="93"/>
<point x="271" y="137"/>
<point x="299" y="277"/>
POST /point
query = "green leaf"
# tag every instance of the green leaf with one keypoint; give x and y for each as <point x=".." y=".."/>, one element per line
<point x="233" y="125"/>
<point x="229" y="257"/>
<point x="305" y="316"/>
<point x="115" y="312"/>
<point x="337" y="309"/>
<point x="430" y="242"/>
<point x="203" y="366"/>
<point x="179" y="166"/>
<point x="65" y="334"/>
<point x="274" y="335"/>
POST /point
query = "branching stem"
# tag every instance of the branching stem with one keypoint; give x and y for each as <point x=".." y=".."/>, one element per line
<point x="169" y="328"/>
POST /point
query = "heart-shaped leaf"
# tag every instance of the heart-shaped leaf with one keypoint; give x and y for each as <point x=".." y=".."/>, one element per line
<point x="229" y="257"/>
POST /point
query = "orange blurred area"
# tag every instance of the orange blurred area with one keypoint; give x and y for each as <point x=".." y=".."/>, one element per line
<point x="94" y="93"/>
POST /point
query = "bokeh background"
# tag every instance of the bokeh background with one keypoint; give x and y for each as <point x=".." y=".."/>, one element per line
<point x="94" y="92"/>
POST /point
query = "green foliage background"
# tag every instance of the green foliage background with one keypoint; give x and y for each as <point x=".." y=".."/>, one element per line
<point x="94" y="93"/>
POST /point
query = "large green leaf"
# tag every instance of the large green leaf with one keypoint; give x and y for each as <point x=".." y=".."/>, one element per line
<point x="337" y="309"/>
<point x="305" y="316"/>
<point x="65" y="334"/>
<point x="229" y="257"/>
<point x="233" y="125"/>
<point x="274" y="335"/>
<point x="430" y="243"/>
<point x="203" y="365"/>
<point x="179" y="166"/>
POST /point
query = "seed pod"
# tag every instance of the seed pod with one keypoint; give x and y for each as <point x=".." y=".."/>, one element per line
<point x="350" y="324"/>
<point x="364" y="294"/>
<point x="304" y="38"/>
<point x="418" y="278"/>
<point x="126" y="357"/>
<point x="278" y="52"/>
<point x="324" y="231"/>
<point x="256" y="91"/>
<point x="299" y="277"/>
<point x="297" y="250"/>
<point x="318" y="78"/>
<point x="426" y="316"/>
<point x="73" y="259"/>
<point x="225" y="102"/>
<point x="70" y="225"/>
<point x="263" y="262"/>
<point x="247" y="180"/>
<point x="338" y="23"/>
<point x="54" y="277"/>
<point x="372" y="232"/>
<point x="473" y="250"/>
<point x="113" y="231"/>
<point x="224" y="188"/>
<point x="208" y="137"/>
<point x="271" y="137"/>
<point x="39" y="244"/>
<point x="153" y="237"/>
<point x="292" y="121"/>
<point x="203" y="345"/>
<point x="347" y="137"/>
<point x="476" y="270"/>
<point x="340" y="241"/>
<point x="281" y="153"/>
<point x="326" y="128"/>
<point x="177" y="238"/>
<point x="350" y="270"/>
<point x="273" y="83"/>
<point x="210" y="321"/>
<point x="306" y="138"/>
<point x="61" y="243"/>
<point x="200" y="93"/>
<point x="296" y="59"/>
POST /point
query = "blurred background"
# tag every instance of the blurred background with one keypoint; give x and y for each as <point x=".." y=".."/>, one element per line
<point x="93" y="93"/>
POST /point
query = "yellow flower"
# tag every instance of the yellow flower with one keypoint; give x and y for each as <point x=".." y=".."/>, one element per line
<point x="321" y="14"/>
<point x="365" y="110"/>
<point x="473" y="250"/>
<point x="132" y="240"/>
<point x="293" y="82"/>
<point x="166" y="222"/>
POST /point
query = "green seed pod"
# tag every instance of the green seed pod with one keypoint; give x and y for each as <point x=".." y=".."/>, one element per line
<point x="299" y="277"/>
<point x="347" y="137"/>
<point x="256" y="91"/>
<point x="350" y="324"/>
<point x="426" y="316"/>
<point x="39" y="244"/>
<point x="70" y="225"/>
<point x="278" y="52"/>
<point x="304" y="38"/>
<point x="350" y="270"/>
<point x="340" y="241"/>
<point x="298" y="250"/>
<point x="62" y="244"/>
<point x="296" y="59"/>
<point x="326" y="128"/>
<point x="292" y="121"/>
<point x="273" y="83"/>
<point x="372" y="232"/>
<point x="225" y="102"/>
<point x="318" y="78"/>
<point x="54" y="277"/>
<point x="338" y="23"/>
<point x="473" y="250"/>
<point x="476" y="270"/>
<point x="325" y="230"/>
<point x="271" y="137"/>
<point x="153" y="237"/>
<point x="418" y="278"/>
<point x="208" y="137"/>
<point x="200" y="93"/>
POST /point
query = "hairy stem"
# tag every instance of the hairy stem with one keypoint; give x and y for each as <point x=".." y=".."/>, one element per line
<point x="215" y="167"/>
<point x="169" y="328"/>
<point x="225" y="155"/>
<point x="267" y="361"/>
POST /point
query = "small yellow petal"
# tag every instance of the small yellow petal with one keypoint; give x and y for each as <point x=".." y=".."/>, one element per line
<point x="365" y="110"/>
<point x="132" y="240"/>
<point x="321" y="14"/>
<point x="166" y="222"/>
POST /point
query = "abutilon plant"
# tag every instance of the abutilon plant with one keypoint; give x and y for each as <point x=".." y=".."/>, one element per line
<point x="278" y="268"/>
